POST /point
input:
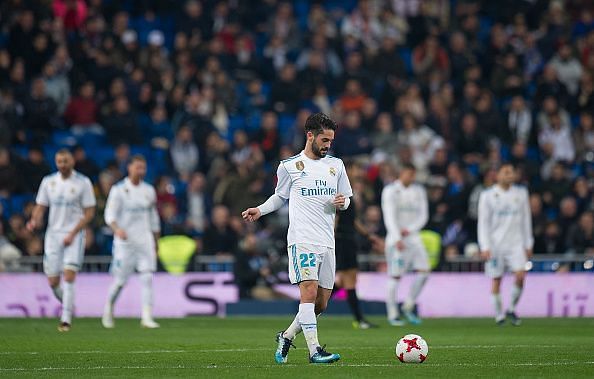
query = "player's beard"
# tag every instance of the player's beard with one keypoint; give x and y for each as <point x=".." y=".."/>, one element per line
<point x="320" y="153"/>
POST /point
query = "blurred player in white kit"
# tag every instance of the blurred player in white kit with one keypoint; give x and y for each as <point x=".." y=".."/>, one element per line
<point x="316" y="185"/>
<point x="405" y="210"/>
<point x="71" y="201"/>
<point x="505" y="237"/>
<point x="131" y="212"/>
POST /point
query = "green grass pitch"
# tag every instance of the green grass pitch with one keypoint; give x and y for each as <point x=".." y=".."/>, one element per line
<point x="244" y="348"/>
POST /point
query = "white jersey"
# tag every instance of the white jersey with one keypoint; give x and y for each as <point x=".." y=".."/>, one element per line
<point x="504" y="220"/>
<point x="134" y="209"/>
<point x="66" y="199"/>
<point x="310" y="186"/>
<point x="403" y="208"/>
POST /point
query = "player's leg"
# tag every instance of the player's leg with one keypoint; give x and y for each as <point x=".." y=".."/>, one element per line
<point x="494" y="269"/>
<point x="147" y="265"/>
<point x="517" y="263"/>
<point x="326" y="268"/>
<point x="420" y="263"/>
<point x="73" y="259"/>
<point x="52" y="264"/>
<point x="349" y="281"/>
<point x="122" y="266"/>
<point x="395" y="263"/>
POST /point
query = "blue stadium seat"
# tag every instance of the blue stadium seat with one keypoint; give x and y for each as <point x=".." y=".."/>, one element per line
<point x="406" y="56"/>
<point x="64" y="138"/>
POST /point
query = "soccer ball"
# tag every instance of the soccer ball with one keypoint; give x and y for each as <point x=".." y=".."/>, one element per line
<point x="412" y="349"/>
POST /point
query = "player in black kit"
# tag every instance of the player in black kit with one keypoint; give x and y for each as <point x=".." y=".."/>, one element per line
<point x="347" y="226"/>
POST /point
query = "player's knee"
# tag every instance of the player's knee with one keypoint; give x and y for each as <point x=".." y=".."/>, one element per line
<point x="54" y="281"/>
<point x="69" y="276"/>
<point x="321" y="307"/>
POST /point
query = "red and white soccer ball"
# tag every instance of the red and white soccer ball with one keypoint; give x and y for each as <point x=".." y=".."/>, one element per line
<point x="412" y="349"/>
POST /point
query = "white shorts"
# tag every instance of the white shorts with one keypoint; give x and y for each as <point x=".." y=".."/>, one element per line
<point x="412" y="258"/>
<point x="129" y="257"/>
<point x="58" y="257"/>
<point x="312" y="262"/>
<point x="514" y="261"/>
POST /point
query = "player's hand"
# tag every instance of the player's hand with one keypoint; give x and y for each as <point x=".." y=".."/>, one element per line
<point x="377" y="243"/>
<point x="251" y="214"/>
<point x="486" y="255"/>
<point x="339" y="201"/>
<point x="31" y="225"/>
<point x="400" y="245"/>
<point x="529" y="253"/>
<point x="121" y="234"/>
<point x="405" y="232"/>
<point x="68" y="239"/>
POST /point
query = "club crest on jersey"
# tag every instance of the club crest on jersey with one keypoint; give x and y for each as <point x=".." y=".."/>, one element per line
<point x="332" y="171"/>
<point x="300" y="165"/>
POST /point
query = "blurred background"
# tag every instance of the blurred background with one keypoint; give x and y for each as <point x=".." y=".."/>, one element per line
<point x="215" y="93"/>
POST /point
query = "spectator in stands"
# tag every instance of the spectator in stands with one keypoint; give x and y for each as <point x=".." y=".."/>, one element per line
<point x="429" y="57"/>
<point x="251" y="268"/>
<point x="351" y="138"/>
<point x="507" y="78"/>
<point x="422" y="141"/>
<point x="268" y="136"/>
<point x="539" y="218"/>
<point x="582" y="194"/>
<point x="584" y="100"/>
<point x="219" y="238"/>
<point x="83" y="164"/>
<point x="57" y="87"/>
<point x="550" y="241"/>
<point x="185" y="155"/>
<point x="10" y="180"/>
<point x="82" y="110"/>
<point x="471" y="143"/>
<point x="568" y="68"/>
<point x="363" y="25"/>
<point x="319" y="44"/>
<point x="121" y="125"/>
<point x="549" y="85"/>
<point x="40" y="112"/>
<point x="284" y="96"/>
<point x="34" y="169"/>
<point x="9" y="254"/>
<point x="555" y="141"/>
<point x="198" y="203"/>
<point x="519" y="122"/>
<point x="556" y="187"/>
<point x="583" y="136"/>
<point x="384" y="138"/>
<point x="165" y="193"/>
<point x="580" y="237"/>
<point x="11" y="116"/>
<point x="567" y="216"/>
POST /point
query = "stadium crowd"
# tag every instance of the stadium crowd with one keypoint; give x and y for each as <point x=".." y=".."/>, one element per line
<point x="214" y="93"/>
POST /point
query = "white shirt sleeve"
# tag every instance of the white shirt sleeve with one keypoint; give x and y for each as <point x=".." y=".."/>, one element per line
<point x="154" y="216"/>
<point x="390" y="216"/>
<point x="112" y="205"/>
<point x="42" y="195"/>
<point x="88" y="195"/>
<point x="423" y="215"/>
<point x="527" y="222"/>
<point x="483" y="223"/>
<point x="344" y="185"/>
<point x="284" y="182"/>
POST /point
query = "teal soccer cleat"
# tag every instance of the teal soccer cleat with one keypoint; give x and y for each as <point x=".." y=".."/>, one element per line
<point x="282" y="350"/>
<point x="411" y="317"/>
<point x="322" y="356"/>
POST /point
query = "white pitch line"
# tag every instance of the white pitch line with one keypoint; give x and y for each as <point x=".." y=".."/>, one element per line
<point x="265" y="349"/>
<point x="337" y="365"/>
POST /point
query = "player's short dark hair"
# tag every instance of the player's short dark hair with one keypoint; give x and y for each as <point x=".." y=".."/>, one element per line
<point x="318" y="122"/>
<point x="408" y="166"/>
<point x="137" y="158"/>
<point x="63" y="151"/>
<point x="506" y="164"/>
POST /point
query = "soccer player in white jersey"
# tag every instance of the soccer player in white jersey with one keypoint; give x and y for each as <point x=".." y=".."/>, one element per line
<point x="316" y="185"/>
<point x="131" y="212"/>
<point x="71" y="201"/>
<point x="505" y="237"/>
<point x="405" y="211"/>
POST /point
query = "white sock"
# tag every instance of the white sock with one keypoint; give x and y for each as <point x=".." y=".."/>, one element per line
<point x="146" y="281"/>
<point x="392" y="298"/>
<point x="497" y="304"/>
<point x="293" y="329"/>
<point x="67" y="301"/>
<point x="309" y="325"/>
<point x="114" y="292"/>
<point x="516" y="293"/>
<point x="58" y="292"/>
<point x="416" y="288"/>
